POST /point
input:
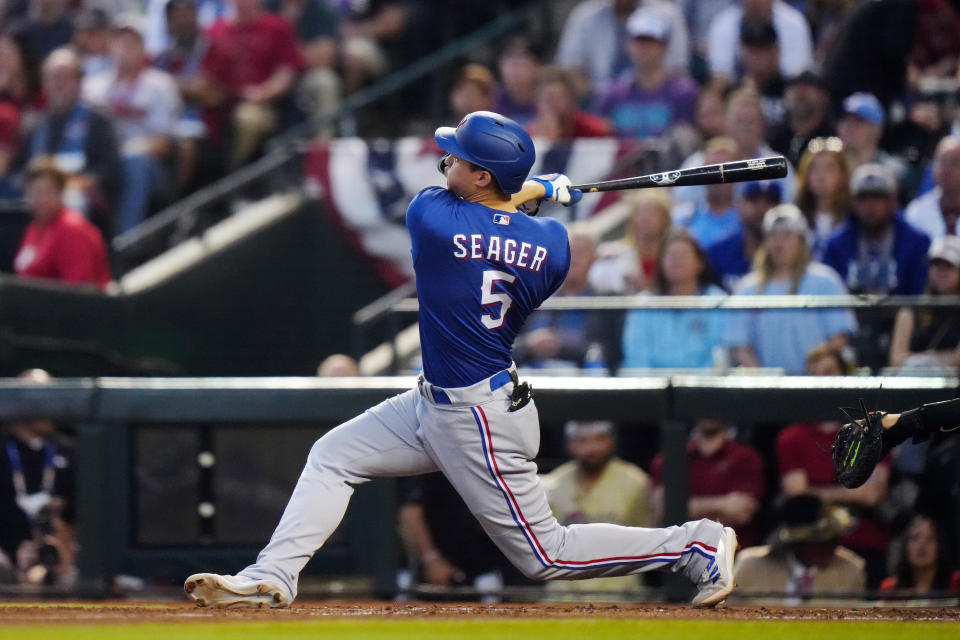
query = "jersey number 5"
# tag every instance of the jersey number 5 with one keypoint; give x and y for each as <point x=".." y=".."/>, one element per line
<point x="488" y="297"/>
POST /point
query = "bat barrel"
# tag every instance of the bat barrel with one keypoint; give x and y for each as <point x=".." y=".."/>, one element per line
<point x="737" y="171"/>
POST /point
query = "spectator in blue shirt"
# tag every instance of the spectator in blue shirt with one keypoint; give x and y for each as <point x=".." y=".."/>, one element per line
<point x="782" y="337"/>
<point x="675" y="338"/>
<point x="571" y="338"/>
<point x="716" y="218"/>
<point x="732" y="256"/>
<point x="876" y="250"/>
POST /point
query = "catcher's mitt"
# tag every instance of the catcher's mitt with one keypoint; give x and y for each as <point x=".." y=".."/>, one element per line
<point x="858" y="448"/>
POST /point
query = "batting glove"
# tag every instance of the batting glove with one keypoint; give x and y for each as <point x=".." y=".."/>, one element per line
<point x="558" y="189"/>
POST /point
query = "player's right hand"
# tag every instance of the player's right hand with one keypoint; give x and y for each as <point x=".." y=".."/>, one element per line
<point x="557" y="188"/>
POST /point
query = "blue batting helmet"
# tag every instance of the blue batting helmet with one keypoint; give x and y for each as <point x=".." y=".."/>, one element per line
<point x="494" y="142"/>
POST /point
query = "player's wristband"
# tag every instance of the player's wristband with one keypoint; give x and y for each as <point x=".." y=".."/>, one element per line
<point x="547" y="187"/>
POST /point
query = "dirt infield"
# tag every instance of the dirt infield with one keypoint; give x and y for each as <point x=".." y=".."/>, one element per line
<point x="119" y="613"/>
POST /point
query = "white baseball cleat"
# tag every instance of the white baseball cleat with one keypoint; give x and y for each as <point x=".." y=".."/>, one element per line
<point x="221" y="592"/>
<point x="718" y="580"/>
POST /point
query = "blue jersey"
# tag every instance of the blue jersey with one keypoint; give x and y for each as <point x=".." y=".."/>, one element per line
<point x="480" y="273"/>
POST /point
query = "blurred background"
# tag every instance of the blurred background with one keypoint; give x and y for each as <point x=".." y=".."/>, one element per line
<point x="205" y="266"/>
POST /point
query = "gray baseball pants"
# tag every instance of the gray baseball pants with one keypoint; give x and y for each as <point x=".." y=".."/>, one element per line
<point x="486" y="452"/>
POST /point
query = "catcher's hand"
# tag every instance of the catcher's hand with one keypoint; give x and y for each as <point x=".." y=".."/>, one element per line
<point x="858" y="448"/>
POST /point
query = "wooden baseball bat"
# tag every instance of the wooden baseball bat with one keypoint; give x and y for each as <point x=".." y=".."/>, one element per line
<point x="738" y="171"/>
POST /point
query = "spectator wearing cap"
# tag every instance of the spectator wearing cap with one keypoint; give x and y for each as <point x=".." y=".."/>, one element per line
<point x="804" y="469"/>
<point x="931" y="337"/>
<point x="91" y="39"/>
<point x="520" y="69"/>
<point x="473" y="91"/>
<point x="251" y="65"/>
<point x="782" y="338"/>
<point x="81" y="139"/>
<point x="791" y="27"/>
<point x="145" y="107"/>
<point x="876" y="250"/>
<point x="860" y="127"/>
<point x="823" y="189"/>
<point x="732" y="256"/>
<point x="937" y="212"/>
<point x="650" y="101"/>
<point x="806" y="102"/>
<point x="760" y="58"/>
<point x="724" y="479"/>
<point x="594" y="38"/>
<point x="804" y="561"/>
<point x="558" y="117"/>
<point x="597" y="486"/>
<point x="717" y="218"/>
<point x="59" y="244"/>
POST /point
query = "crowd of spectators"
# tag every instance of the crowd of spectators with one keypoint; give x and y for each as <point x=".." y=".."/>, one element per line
<point x="142" y="101"/>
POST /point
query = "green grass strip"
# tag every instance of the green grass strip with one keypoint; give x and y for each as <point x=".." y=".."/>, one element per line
<point x="499" y="629"/>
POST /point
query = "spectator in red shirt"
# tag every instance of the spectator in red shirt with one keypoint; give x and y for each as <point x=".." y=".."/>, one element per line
<point x="803" y="451"/>
<point x="558" y="117"/>
<point x="59" y="244"/>
<point x="253" y="61"/>
<point x="724" y="479"/>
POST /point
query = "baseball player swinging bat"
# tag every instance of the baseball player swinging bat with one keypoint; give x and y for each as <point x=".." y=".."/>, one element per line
<point x="738" y="171"/>
<point x="481" y="271"/>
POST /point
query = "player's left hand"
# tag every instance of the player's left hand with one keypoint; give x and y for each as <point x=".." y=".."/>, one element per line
<point x="557" y="188"/>
<point x="857" y="449"/>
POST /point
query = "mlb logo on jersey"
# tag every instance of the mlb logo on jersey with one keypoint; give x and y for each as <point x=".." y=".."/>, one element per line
<point x="500" y="218"/>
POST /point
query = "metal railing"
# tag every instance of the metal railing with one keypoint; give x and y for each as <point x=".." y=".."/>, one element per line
<point x="290" y="145"/>
<point x="105" y="408"/>
<point x="731" y="302"/>
<point x="390" y="308"/>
